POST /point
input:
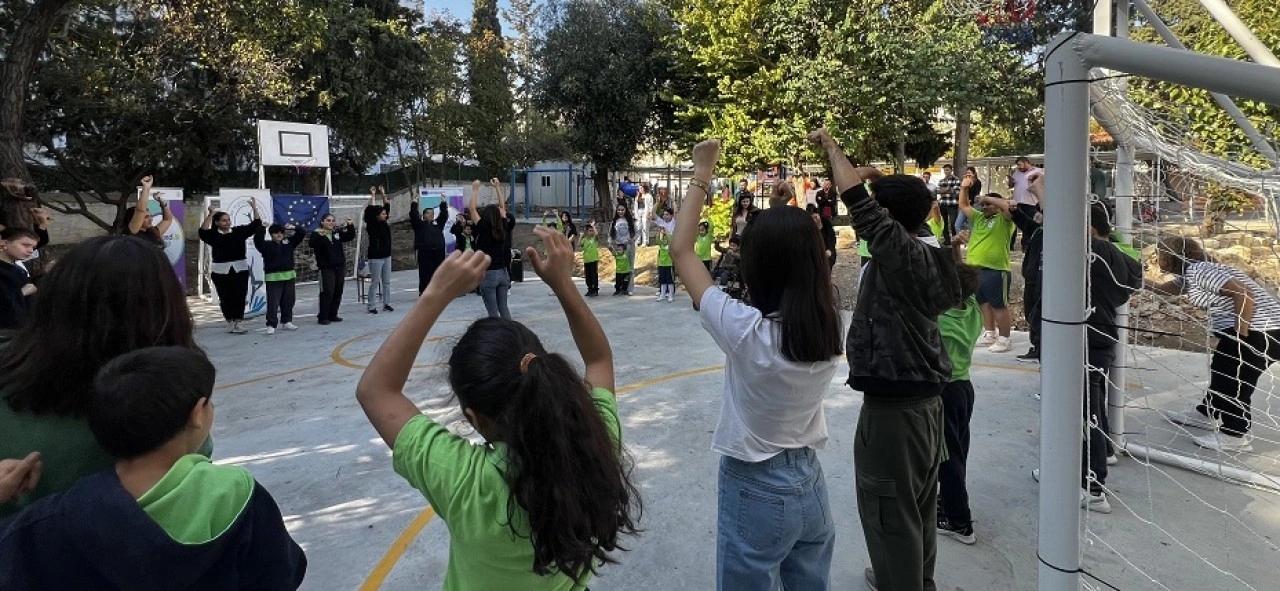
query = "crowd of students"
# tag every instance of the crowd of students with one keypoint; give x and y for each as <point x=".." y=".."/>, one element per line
<point x="94" y="445"/>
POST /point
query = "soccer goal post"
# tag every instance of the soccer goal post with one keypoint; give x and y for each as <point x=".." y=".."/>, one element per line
<point x="1069" y="59"/>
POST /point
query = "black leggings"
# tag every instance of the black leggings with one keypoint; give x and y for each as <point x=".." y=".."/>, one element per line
<point x="953" y="493"/>
<point x="1234" y="370"/>
<point x="232" y="288"/>
<point x="331" y="283"/>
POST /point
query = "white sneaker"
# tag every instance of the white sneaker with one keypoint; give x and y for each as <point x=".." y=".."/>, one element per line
<point x="1192" y="418"/>
<point x="271" y="330"/>
<point x="1002" y="345"/>
<point x="1112" y="460"/>
<point x="987" y="339"/>
<point x="671" y="297"/>
<point x="289" y="326"/>
<point x="1035" y="474"/>
<point x="660" y="297"/>
<point x="1096" y="503"/>
<point x="237" y="329"/>
<point x="1219" y="441"/>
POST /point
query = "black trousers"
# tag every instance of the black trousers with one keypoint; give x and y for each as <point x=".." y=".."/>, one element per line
<point x="949" y="215"/>
<point x="232" y="288"/>
<point x="1096" y="445"/>
<point x="1234" y="370"/>
<point x="591" y="272"/>
<point x="428" y="261"/>
<point x="1030" y="212"/>
<point x="953" y="494"/>
<point x="331" y="284"/>
<point x="1031" y="310"/>
<point x="281" y="295"/>
<point x="621" y="282"/>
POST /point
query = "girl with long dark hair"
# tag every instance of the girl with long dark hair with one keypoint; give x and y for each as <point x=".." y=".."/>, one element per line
<point x="548" y="497"/>
<point x="229" y="270"/>
<point x="494" y="226"/>
<point x="781" y="352"/>
<point x="622" y="234"/>
<point x="140" y="217"/>
<point x="106" y="296"/>
<point x="331" y="260"/>
<point x="743" y="213"/>
<point x="569" y="229"/>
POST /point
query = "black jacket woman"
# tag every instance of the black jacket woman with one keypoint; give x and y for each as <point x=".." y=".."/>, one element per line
<point x="326" y="245"/>
<point x="229" y="270"/>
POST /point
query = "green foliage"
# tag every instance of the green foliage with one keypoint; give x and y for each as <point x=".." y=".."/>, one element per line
<point x="720" y="214"/>
<point x="1195" y="116"/>
<point x="488" y="85"/>
<point x="601" y="71"/>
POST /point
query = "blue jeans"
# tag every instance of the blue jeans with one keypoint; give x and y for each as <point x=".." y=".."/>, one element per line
<point x="961" y="220"/>
<point x="494" y="288"/>
<point x="774" y="525"/>
<point x="379" y="281"/>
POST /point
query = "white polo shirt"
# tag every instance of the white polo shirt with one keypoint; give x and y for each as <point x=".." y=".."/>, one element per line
<point x="770" y="404"/>
<point x="1022" y="186"/>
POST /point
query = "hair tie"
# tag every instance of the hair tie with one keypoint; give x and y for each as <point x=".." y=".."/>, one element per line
<point x="524" y="362"/>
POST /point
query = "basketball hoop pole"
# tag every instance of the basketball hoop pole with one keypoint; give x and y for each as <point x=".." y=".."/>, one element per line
<point x="262" y="170"/>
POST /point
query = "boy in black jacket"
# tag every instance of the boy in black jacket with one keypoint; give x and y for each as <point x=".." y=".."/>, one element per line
<point x="16" y="244"/>
<point x="331" y="260"/>
<point x="896" y="359"/>
<point x="164" y="517"/>
<point x="278" y="273"/>
<point x="428" y="240"/>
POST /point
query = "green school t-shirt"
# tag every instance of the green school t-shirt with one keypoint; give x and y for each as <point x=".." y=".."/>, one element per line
<point x="702" y="246"/>
<point x="196" y="501"/>
<point x="464" y="484"/>
<point x="935" y="226"/>
<point x="590" y="249"/>
<point x="989" y="241"/>
<point x="664" y="251"/>
<point x="621" y="264"/>
<point x="960" y="328"/>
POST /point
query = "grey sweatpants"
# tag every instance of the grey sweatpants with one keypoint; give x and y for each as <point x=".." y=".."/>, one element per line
<point x="896" y="453"/>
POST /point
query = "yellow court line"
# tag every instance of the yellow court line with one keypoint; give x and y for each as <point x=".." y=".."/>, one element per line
<point x="389" y="560"/>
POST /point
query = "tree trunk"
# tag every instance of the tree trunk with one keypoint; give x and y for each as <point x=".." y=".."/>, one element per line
<point x="604" y="196"/>
<point x="900" y="157"/>
<point x="15" y="77"/>
<point x="964" y="128"/>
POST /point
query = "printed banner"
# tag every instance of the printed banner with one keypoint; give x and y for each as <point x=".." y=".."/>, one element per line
<point x="454" y="196"/>
<point x="236" y="202"/>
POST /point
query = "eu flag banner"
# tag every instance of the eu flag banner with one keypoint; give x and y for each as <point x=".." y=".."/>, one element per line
<point x="302" y="211"/>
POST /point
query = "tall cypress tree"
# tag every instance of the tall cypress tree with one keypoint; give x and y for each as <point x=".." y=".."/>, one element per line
<point x="488" y="84"/>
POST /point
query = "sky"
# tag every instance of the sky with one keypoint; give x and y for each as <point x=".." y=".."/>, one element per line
<point x="461" y="9"/>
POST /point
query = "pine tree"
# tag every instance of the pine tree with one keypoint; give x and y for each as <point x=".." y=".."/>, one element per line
<point x="488" y="85"/>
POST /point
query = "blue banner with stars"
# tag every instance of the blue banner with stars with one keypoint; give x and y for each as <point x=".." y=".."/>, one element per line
<point x="302" y="211"/>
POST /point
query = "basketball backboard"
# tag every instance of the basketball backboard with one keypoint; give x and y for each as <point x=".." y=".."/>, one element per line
<point x="281" y="143"/>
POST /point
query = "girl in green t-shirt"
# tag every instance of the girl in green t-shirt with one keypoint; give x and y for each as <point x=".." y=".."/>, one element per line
<point x="591" y="259"/>
<point x="666" y="267"/>
<point x="703" y="243"/>
<point x="553" y="438"/>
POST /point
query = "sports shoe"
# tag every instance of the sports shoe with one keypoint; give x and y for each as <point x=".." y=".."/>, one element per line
<point x="660" y="297"/>
<point x="373" y="310"/>
<point x="987" y="339"/>
<point x="1035" y="474"/>
<point x="324" y="322"/>
<point x="237" y="329"/>
<point x="1002" y="345"/>
<point x="671" y="298"/>
<point x="1192" y="418"/>
<point x="1095" y="502"/>
<point x="387" y="308"/>
<point x="289" y="326"/>
<point x="335" y="319"/>
<point x="964" y="534"/>
<point x="1113" y="459"/>
<point x="271" y="330"/>
<point x="1031" y="356"/>
<point x="1219" y="441"/>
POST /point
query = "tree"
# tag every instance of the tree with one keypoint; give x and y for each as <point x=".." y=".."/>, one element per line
<point x="488" y="85"/>
<point x="601" y="74"/>
<point x="530" y="137"/>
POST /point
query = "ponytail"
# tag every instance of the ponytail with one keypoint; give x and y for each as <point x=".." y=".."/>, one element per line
<point x="565" y="469"/>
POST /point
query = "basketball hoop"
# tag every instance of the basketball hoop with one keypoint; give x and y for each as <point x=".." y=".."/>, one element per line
<point x="1007" y="21"/>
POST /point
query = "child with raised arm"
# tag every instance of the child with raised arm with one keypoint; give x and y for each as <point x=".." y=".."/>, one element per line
<point x="163" y="517"/>
<point x="140" y="217"/>
<point x="544" y="502"/>
<point x="774" y="528"/>
<point x="591" y="260"/>
<point x="896" y="359"/>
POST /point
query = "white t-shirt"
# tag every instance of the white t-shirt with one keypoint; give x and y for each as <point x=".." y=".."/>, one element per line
<point x="622" y="232"/>
<point x="1022" y="186"/>
<point x="670" y="226"/>
<point x="770" y="404"/>
<point x="1203" y="283"/>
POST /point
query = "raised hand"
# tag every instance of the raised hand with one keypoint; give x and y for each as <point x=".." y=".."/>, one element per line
<point x="475" y="185"/>
<point x="967" y="182"/>
<point x="212" y="210"/>
<point x="373" y="190"/>
<point x="382" y="189"/>
<point x="821" y="137"/>
<point x="19" y="476"/>
<point x="42" y="215"/>
<point x="706" y="154"/>
<point x="459" y="274"/>
<point x="146" y="182"/>
<point x="349" y="221"/>
<point x="494" y="181"/>
<point x="556" y="269"/>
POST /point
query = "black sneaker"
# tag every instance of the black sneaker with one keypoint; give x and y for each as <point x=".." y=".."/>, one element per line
<point x="964" y="534"/>
<point x="386" y="308"/>
<point x="373" y="310"/>
<point x="336" y="319"/>
<point x="1031" y="356"/>
<point x="324" y="323"/>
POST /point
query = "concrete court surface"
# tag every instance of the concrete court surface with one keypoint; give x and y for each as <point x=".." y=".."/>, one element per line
<point x="286" y="411"/>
